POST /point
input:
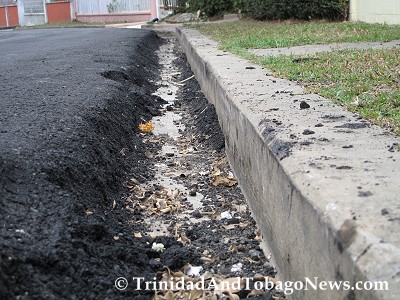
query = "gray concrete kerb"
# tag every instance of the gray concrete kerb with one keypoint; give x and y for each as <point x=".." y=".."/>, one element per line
<point x="322" y="183"/>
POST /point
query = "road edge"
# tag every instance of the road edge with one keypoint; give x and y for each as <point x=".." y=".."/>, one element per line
<point x="345" y="250"/>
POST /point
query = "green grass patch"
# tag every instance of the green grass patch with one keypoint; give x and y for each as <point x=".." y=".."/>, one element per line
<point x="365" y="81"/>
<point x="255" y="34"/>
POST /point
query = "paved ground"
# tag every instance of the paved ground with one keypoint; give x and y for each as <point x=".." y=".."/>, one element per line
<point x="317" y="48"/>
<point x="70" y="100"/>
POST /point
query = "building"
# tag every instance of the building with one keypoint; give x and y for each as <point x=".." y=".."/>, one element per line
<point x="373" y="11"/>
<point x="36" y="12"/>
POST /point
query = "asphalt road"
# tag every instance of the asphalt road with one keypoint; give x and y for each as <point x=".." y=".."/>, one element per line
<point x="70" y="100"/>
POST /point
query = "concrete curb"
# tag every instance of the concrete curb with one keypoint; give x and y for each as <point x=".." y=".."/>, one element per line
<point x="322" y="184"/>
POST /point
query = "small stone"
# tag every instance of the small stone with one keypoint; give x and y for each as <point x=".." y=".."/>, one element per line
<point x="223" y="256"/>
<point x="169" y="108"/>
<point x="319" y="125"/>
<point x="192" y="192"/>
<point x="154" y="262"/>
<point x="304" y="105"/>
<point x="254" y="254"/>
<point x="384" y="211"/>
<point x="308" y="132"/>
<point x="197" y="214"/>
<point x="344" y="168"/>
<point x="232" y="221"/>
<point x="364" y="194"/>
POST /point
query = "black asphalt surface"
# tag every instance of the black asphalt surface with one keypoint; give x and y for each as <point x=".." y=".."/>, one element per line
<point x="70" y="103"/>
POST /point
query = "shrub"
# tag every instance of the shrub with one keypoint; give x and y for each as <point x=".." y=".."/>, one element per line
<point x="275" y="9"/>
<point x="296" y="9"/>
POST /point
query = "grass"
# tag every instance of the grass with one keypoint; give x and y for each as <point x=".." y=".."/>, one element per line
<point x="254" y="34"/>
<point x="365" y="81"/>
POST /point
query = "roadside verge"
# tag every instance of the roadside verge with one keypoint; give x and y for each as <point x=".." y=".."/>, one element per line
<point x="321" y="182"/>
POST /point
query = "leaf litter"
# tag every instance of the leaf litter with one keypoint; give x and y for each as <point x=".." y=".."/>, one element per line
<point x="200" y="227"/>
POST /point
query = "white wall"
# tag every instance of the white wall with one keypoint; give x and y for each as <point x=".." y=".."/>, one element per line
<point x="375" y="11"/>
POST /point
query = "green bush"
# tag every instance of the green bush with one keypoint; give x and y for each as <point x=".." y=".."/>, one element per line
<point x="275" y="9"/>
<point x="296" y="9"/>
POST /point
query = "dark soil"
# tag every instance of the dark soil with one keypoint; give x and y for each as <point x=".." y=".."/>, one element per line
<point x="214" y="243"/>
<point x="201" y="120"/>
<point x="71" y="100"/>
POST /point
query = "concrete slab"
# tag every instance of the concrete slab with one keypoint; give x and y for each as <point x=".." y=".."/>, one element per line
<point x="317" y="48"/>
<point x="126" y="25"/>
<point x="323" y="184"/>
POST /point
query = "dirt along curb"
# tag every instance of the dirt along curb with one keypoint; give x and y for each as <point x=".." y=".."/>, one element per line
<point x="321" y="182"/>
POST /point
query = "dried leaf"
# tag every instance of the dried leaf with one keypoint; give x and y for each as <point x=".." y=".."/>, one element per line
<point x="233" y="249"/>
<point x="123" y="151"/>
<point x="184" y="239"/>
<point x="146" y="127"/>
<point x="216" y="215"/>
<point x="216" y="173"/>
<point x="114" y="204"/>
<point x="186" y="267"/>
<point x="259" y="277"/>
<point x="251" y="260"/>
<point x="196" y="294"/>
<point x="166" y="210"/>
<point x="209" y="260"/>
<point x="134" y="181"/>
<point x="258" y="235"/>
<point x="230" y="226"/>
<point x="148" y="154"/>
<point x="175" y="194"/>
<point x="170" y="295"/>
<point x="225" y="181"/>
<point x="89" y="212"/>
<point x="244" y="225"/>
<point x="272" y="279"/>
<point x="137" y="235"/>
<point x="231" y="285"/>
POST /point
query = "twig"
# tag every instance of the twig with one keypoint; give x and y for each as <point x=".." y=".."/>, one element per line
<point x="186" y="79"/>
<point x="176" y="83"/>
